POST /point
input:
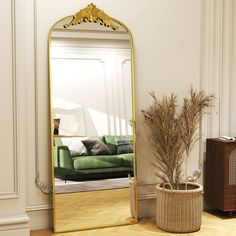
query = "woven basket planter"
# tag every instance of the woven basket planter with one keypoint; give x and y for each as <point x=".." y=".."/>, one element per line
<point x="179" y="211"/>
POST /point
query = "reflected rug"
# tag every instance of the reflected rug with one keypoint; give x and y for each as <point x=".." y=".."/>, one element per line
<point x="93" y="185"/>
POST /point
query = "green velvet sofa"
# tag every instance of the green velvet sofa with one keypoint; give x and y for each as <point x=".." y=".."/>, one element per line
<point x="87" y="167"/>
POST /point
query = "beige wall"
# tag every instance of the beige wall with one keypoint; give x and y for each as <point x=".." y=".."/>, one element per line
<point x="177" y="43"/>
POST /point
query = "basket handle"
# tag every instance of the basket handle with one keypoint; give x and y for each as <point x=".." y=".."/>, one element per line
<point x="168" y="185"/>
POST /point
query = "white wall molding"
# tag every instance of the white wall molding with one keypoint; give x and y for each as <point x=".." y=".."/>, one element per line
<point x="40" y="216"/>
<point x="14" y="222"/>
<point x="145" y="183"/>
<point x="147" y="196"/>
<point x="14" y="193"/>
<point x="39" y="207"/>
<point x="222" y="39"/>
<point x="39" y="183"/>
<point x="210" y="124"/>
<point x="226" y="64"/>
<point x="147" y="190"/>
<point x="14" y="232"/>
<point x="126" y="111"/>
<point x="147" y="199"/>
<point x="232" y="85"/>
<point x="215" y="75"/>
<point x="40" y="219"/>
<point x="216" y="65"/>
<point x="13" y="219"/>
<point x="12" y="201"/>
<point x="36" y="156"/>
<point x="15" y="157"/>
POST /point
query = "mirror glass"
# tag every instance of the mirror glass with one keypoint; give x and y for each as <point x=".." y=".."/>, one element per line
<point x="92" y="121"/>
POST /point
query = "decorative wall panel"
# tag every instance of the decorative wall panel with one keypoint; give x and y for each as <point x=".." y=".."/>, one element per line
<point x="8" y="187"/>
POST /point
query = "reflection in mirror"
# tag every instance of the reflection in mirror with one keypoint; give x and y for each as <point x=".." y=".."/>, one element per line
<point x="91" y="102"/>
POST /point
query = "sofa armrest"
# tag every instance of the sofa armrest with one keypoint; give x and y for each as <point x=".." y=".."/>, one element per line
<point x="62" y="157"/>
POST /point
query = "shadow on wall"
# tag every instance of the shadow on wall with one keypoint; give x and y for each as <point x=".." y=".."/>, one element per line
<point x="144" y="152"/>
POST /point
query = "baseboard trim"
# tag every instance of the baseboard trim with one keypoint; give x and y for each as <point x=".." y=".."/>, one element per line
<point x="14" y="222"/>
<point x="148" y="196"/>
<point x="39" y="207"/>
<point x="146" y="190"/>
<point x="40" y="217"/>
<point x="145" y="183"/>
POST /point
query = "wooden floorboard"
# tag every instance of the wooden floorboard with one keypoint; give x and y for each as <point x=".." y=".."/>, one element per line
<point x="212" y="225"/>
<point x="75" y="211"/>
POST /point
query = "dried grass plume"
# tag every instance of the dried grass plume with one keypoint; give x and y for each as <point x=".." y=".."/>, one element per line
<point x="174" y="135"/>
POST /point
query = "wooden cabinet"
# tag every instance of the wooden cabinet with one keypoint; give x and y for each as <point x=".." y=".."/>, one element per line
<point x="220" y="173"/>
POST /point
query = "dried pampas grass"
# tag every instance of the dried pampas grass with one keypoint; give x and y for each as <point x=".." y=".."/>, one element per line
<point x="174" y="135"/>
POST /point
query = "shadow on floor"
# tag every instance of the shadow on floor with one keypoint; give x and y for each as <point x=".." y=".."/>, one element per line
<point x="221" y="214"/>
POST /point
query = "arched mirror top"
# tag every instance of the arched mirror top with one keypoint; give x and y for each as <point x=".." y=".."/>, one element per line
<point x="94" y="19"/>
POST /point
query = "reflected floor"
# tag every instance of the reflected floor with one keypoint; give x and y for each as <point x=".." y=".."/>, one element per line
<point x="93" y="185"/>
<point x="85" y="210"/>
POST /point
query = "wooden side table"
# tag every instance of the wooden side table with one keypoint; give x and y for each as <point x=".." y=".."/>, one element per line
<point x="220" y="182"/>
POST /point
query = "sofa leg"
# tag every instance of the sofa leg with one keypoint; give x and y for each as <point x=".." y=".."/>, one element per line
<point x="66" y="178"/>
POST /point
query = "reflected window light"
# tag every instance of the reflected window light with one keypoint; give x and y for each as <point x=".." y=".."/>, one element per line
<point x="100" y="121"/>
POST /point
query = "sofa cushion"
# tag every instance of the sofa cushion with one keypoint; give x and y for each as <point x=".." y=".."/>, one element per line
<point x="124" y="146"/>
<point x="75" y="145"/>
<point x="110" y="141"/>
<point x="127" y="159"/>
<point x="96" y="162"/>
<point x="96" y="147"/>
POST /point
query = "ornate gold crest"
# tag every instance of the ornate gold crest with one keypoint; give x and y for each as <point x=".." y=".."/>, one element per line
<point x="91" y="14"/>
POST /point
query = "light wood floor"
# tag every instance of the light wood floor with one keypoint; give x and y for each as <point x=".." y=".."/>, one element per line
<point x="85" y="210"/>
<point x="212" y="225"/>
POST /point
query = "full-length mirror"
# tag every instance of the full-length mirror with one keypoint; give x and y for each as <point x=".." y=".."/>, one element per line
<point x="92" y="121"/>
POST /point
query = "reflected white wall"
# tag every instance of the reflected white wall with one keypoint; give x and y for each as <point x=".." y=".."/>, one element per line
<point x="96" y="80"/>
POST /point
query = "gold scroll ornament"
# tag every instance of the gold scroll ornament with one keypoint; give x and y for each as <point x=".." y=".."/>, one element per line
<point x="91" y="14"/>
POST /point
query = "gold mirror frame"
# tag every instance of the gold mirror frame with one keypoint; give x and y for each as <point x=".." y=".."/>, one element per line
<point x="93" y="14"/>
